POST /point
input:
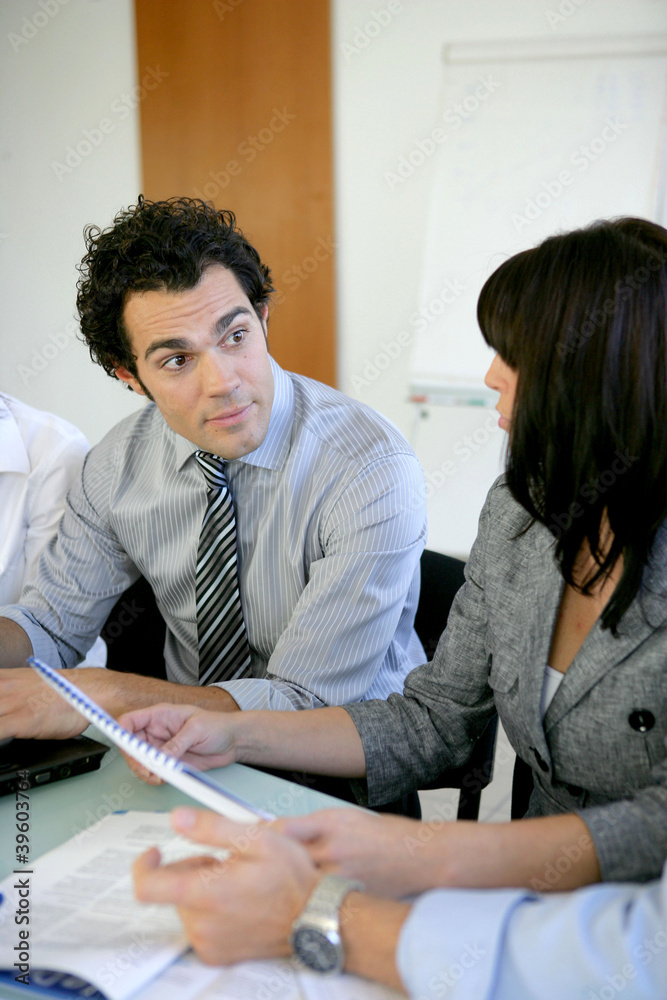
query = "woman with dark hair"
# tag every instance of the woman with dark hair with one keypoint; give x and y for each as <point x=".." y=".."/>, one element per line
<point x="581" y="321"/>
<point x="560" y="626"/>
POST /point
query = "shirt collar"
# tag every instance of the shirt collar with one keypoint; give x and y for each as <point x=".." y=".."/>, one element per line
<point x="274" y="449"/>
<point x="13" y="454"/>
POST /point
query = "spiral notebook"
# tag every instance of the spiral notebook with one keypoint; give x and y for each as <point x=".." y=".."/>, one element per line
<point x="172" y="770"/>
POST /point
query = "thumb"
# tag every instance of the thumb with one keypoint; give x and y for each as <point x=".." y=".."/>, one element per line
<point x="188" y="736"/>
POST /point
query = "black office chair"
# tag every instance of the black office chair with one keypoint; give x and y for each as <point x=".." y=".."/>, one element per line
<point x="522" y="788"/>
<point x="441" y="578"/>
<point x="135" y="632"/>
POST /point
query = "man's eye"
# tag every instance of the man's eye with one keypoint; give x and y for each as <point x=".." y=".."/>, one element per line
<point x="176" y="362"/>
<point x="237" y="337"/>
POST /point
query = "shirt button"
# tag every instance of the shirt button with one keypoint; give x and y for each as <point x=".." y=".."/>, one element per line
<point x="541" y="762"/>
<point x="641" y="720"/>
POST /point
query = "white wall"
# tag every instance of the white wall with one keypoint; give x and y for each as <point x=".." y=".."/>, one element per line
<point x="65" y="67"/>
<point x="387" y="71"/>
<point x="78" y="68"/>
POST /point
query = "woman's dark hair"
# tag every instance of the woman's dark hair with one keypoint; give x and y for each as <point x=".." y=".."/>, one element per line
<point x="157" y="245"/>
<point x="582" y="318"/>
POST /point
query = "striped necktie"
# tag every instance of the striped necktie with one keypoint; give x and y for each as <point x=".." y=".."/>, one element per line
<point x="223" y="643"/>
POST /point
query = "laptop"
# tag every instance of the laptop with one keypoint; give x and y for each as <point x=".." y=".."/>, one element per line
<point x="47" y="760"/>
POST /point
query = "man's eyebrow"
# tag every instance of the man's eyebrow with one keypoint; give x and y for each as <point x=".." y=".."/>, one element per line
<point x="182" y="344"/>
<point x="170" y="344"/>
<point x="226" y="320"/>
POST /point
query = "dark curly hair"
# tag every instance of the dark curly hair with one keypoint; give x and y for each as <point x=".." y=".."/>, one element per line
<point x="157" y="245"/>
<point x="582" y="318"/>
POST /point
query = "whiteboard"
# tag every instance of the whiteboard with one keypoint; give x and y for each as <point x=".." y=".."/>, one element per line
<point x="534" y="138"/>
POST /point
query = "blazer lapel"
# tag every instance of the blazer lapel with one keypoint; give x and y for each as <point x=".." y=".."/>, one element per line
<point x="601" y="651"/>
<point x="542" y="586"/>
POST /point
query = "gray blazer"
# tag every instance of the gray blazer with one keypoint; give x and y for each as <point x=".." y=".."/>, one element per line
<point x="600" y="750"/>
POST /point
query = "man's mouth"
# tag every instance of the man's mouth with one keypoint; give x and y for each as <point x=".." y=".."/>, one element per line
<point x="230" y="417"/>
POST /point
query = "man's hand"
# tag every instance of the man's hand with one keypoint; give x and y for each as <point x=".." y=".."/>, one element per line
<point x="233" y="910"/>
<point x="195" y="736"/>
<point x="30" y="709"/>
<point x="15" y="646"/>
<point x="378" y="850"/>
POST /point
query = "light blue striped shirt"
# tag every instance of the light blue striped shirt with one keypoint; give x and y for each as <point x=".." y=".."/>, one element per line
<point x="331" y="524"/>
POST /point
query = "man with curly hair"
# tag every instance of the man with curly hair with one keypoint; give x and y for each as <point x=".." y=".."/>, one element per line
<point x="327" y="498"/>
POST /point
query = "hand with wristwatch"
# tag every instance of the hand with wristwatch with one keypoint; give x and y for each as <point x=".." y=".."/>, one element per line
<point x="316" y="939"/>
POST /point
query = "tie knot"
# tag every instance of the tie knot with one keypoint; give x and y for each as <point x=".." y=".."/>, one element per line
<point x="213" y="468"/>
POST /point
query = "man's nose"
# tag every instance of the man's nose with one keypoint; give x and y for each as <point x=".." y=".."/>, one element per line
<point x="219" y="377"/>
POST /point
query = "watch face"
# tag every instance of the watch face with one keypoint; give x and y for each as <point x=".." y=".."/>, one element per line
<point x="315" y="950"/>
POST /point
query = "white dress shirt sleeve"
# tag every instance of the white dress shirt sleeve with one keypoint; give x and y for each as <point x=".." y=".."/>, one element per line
<point x="46" y="501"/>
<point x="593" y="944"/>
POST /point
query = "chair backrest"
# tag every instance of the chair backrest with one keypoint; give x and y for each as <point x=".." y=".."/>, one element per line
<point x="135" y="633"/>
<point x="441" y="578"/>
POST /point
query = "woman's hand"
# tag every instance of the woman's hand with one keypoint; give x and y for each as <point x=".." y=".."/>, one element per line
<point x="396" y="857"/>
<point x="192" y="734"/>
<point x="384" y="852"/>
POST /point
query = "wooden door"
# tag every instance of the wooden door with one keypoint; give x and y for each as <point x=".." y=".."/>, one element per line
<point x="240" y="114"/>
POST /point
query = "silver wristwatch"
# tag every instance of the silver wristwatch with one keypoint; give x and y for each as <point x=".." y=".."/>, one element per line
<point x="315" y="937"/>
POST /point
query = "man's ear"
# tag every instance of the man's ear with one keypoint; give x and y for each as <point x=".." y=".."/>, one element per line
<point x="126" y="376"/>
<point x="264" y="318"/>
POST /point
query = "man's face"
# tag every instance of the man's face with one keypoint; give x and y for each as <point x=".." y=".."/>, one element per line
<point x="202" y="356"/>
